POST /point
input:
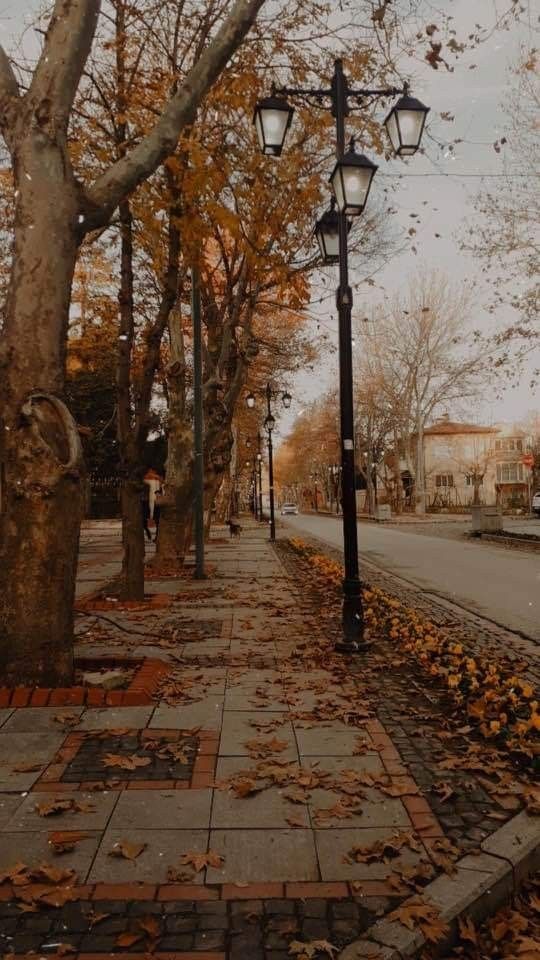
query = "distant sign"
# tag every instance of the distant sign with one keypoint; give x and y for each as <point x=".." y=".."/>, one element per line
<point x="527" y="460"/>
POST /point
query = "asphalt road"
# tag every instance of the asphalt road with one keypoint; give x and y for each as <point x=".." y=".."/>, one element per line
<point x="500" y="584"/>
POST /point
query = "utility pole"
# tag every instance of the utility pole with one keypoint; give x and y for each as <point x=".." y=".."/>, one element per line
<point x="198" y="424"/>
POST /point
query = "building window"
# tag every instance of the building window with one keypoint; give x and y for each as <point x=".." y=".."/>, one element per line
<point x="509" y="444"/>
<point x="444" y="480"/>
<point x="509" y="473"/>
<point x="470" y="479"/>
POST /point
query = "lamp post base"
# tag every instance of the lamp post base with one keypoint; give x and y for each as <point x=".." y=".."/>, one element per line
<point x="351" y="647"/>
<point x="352" y="620"/>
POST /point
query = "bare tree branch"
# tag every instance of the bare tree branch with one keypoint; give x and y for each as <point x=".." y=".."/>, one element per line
<point x="9" y="96"/>
<point x="67" y="44"/>
<point x="128" y="172"/>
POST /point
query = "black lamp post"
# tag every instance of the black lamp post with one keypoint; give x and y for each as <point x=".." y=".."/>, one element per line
<point x="351" y="182"/>
<point x="269" y="424"/>
<point x="259" y="469"/>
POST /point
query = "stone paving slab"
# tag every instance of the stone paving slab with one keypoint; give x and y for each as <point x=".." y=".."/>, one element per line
<point x="163" y="851"/>
<point x="5" y="713"/>
<point x="148" y="809"/>
<point x="25" y="750"/>
<point x="272" y="854"/>
<point x="37" y="719"/>
<point x="115" y="718"/>
<point x="8" y="805"/>
<point x="99" y="807"/>
<point x="334" y="740"/>
<point x="236" y="731"/>
<point x="205" y="714"/>
<point x="334" y="845"/>
<point x="268" y="809"/>
<point x="34" y="849"/>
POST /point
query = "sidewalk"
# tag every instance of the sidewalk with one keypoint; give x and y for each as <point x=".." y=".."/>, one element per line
<point x="245" y="790"/>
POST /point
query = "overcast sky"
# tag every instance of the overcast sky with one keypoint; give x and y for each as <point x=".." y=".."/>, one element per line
<point x="474" y="93"/>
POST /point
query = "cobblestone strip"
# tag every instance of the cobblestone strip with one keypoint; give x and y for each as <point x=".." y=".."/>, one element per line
<point x="258" y="929"/>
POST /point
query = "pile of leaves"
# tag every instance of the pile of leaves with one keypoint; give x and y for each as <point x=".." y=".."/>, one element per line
<point x="512" y="934"/>
<point x="496" y="703"/>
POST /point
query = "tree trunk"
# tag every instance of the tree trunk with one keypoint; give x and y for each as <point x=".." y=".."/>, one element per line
<point x="42" y="473"/>
<point x="420" y="478"/>
<point x="132" y="583"/>
<point x="176" y="517"/>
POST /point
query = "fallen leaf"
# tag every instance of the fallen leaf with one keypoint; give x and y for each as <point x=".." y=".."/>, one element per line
<point x="467" y="930"/>
<point x="128" y="939"/>
<point x="64" y="841"/>
<point x="295" y="822"/>
<point x="127" y="850"/>
<point x="201" y="860"/>
<point x="419" y="913"/>
<point x="305" y="951"/>
<point x="126" y="763"/>
<point x="264" y="748"/>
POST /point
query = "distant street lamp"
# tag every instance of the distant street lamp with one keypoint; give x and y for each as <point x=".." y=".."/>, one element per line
<point x="269" y="425"/>
<point x="351" y="182"/>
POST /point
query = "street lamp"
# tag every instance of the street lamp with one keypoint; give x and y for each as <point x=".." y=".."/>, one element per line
<point x="272" y="119"/>
<point x="405" y="125"/>
<point x="351" y="181"/>
<point x="269" y="425"/>
<point x="327" y="234"/>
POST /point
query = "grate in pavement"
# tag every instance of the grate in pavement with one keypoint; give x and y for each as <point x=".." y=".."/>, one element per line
<point x="133" y="755"/>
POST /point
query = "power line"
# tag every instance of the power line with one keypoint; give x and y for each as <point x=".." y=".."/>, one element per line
<point x="507" y="176"/>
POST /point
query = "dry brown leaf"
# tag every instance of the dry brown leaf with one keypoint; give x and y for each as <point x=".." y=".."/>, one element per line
<point x="296" y="795"/>
<point x="305" y="951"/>
<point x="264" y="748"/>
<point x="64" y="841"/>
<point x="49" y="808"/>
<point x="10" y="875"/>
<point x="126" y="763"/>
<point x="467" y="930"/>
<point x="128" y="939"/>
<point x="127" y="850"/>
<point x="58" y="896"/>
<point x="245" y="787"/>
<point x="201" y="860"/>
<point x="151" y="926"/>
<point x="27" y="767"/>
<point x="295" y="822"/>
<point x="419" y="913"/>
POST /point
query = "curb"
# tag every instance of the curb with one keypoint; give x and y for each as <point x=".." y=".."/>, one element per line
<point x="480" y="885"/>
<point x="516" y="543"/>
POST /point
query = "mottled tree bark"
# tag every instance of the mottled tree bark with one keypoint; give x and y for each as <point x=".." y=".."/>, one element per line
<point x="40" y="457"/>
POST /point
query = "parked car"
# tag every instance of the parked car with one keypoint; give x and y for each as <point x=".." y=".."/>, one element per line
<point x="289" y="508"/>
<point x="536" y="503"/>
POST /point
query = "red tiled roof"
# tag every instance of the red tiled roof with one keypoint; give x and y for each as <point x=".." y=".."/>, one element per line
<point x="450" y="426"/>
